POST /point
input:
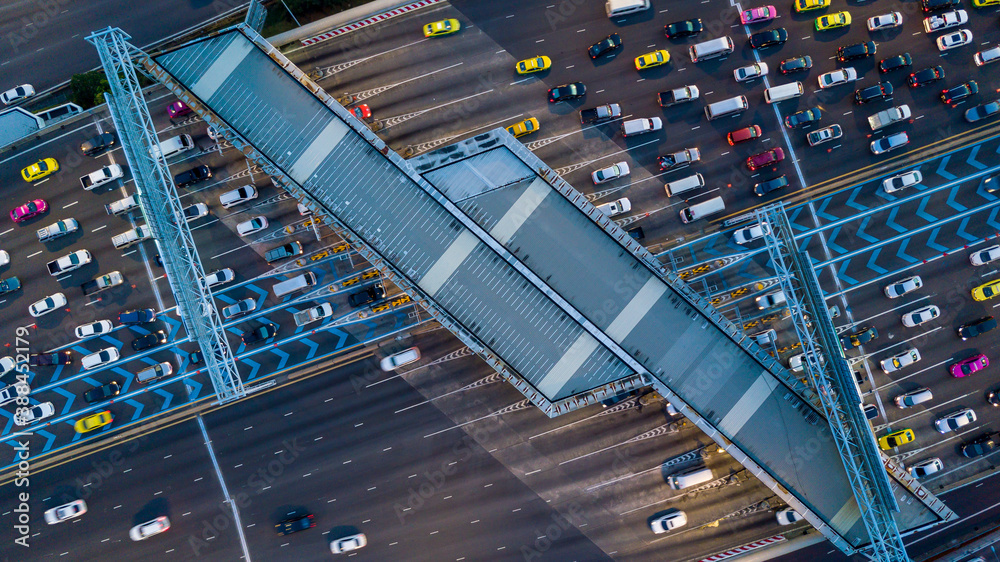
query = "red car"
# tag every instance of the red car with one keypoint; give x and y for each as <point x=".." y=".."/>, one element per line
<point x="772" y="156"/>
<point x="29" y="210"/>
<point x="362" y="112"/>
<point x="177" y="109"/>
<point x="743" y="135"/>
<point x="968" y="366"/>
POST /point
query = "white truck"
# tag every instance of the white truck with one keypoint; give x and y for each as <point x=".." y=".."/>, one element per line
<point x="69" y="262"/>
<point x="122" y="206"/>
<point x="101" y="177"/>
<point x="55" y="230"/>
<point x="945" y="20"/>
<point x="889" y="116"/>
<point x="130" y="237"/>
<point x="313" y="314"/>
<point x="103" y="282"/>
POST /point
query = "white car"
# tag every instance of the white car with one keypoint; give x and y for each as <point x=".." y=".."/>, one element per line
<point x="902" y="181"/>
<point x="347" y="544"/>
<point x="751" y="233"/>
<point x="825" y="134"/>
<point x="954" y="40"/>
<point x="756" y="70"/>
<point x="94" y="328"/>
<point x="239" y="308"/>
<point x="987" y="56"/>
<point x="889" y="143"/>
<point x="903" y="286"/>
<point x="921" y="315"/>
<point x="65" y="512"/>
<point x="396" y="361"/>
<point x="251" y="226"/>
<point x="14" y="95"/>
<point x="219" y="277"/>
<point x="797" y="363"/>
<point x="10" y="393"/>
<point x="47" y="305"/>
<point x="885" y="21"/>
<point x="911" y="399"/>
<point x="929" y="466"/>
<point x="4" y="257"/>
<point x="149" y="528"/>
<point x="614" y="208"/>
<point x="102" y="357"/>
<point x="945" y="20"/>
<point x="955" y="420"/>
<point x="196" y="211"/>
<point x="897" y="362"/>
<point x="612" y="172"/>
<point x="983" y="257"/>
<point x="788" y="516"/>
<point x="770" y="300"/>
<point x="837" y="77"/>
<point x="7" y="365"/>
<point x="25" y="416"/>
<point x="668" y="522"/>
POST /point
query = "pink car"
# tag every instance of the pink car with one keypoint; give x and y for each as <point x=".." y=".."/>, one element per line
<point x="29" y="210"/>
<point x="758" y="15"/>
<point x="177" y="109"/>
<point x="968" y="366"/>
<point x="772" y="156"/>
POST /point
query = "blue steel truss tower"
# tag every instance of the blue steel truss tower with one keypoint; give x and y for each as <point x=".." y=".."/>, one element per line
<point x="162" y="210"/>
<point x="834" y="384"/>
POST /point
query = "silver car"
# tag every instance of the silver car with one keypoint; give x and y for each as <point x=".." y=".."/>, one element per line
<point x="921" y="315"/>
<point x="65" y="512"/>
<point x="897" y="362"/>
<point x="903" y="286"/>
<point x="955" y="420"/>
<point x="923" y="468"/>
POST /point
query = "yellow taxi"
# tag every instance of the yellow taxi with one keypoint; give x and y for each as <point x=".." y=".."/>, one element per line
<point x="806" y="5"/>
<point x="833" y="21"/>
<point x="536" y="64"/>
<point x="982" y="3"/>
<point x="40" y="169"/>
<point x="649" y="60"/>
<point x="525" y="127"/>
<point x="987" y="291"/>
<point x="93" y="421"/>
<point x="895" y="439"/>
<point x="443" y="27"/>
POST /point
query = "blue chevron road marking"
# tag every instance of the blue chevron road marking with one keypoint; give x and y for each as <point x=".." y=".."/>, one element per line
<point x="194" y="388"/>
<point x="90" y="381"/>
<point x="980" y="191"/>
<point x="961" y="230"/>
<point x="843" y="276"/>
<point x="901" y="253"/>
<point x="129" y="377"/>
<point x="891" y="222"/>
<point x="138" y="408"/>
<point x="992" y="221"/>
<point x="50" y="438"/>
<point x="76" y="436"/>
<point x="10" y="423"/>
<point x="711" y="249"/>
<point x="795" y="215"/>
<point x="57" y="373"/>
<point x="258" y="290"/>
<point x="871" y="263"/>
<point x="941" y="169"/>
<point x="254" y="367"/>
<point x="922" y="213"/>
<point x="861" y="231"/>
<point x="850" y="200"/>
<point x="833" y="245"/>
<point x="954" y="204"/>
<point x="805" y="243"/>
<point x="821" y="212"/>
<point x="226" y="299"/>
<point x="174" y="325"/>
<point x="167" y="398"/>
<point x="972" y="159"/>
<point x="142" y="331"/>
<point x="283" y="355"/>
<point x="313" y="346"/>
<point x="342" y="337"/>
<point x="934" y="245"/>
<point x="113" y="341"/>
<point x="70" y="397"/>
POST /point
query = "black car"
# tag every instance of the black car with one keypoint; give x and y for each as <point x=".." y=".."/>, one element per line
<point x="982" y="445"/>
<point x="259" y="334"/>
<point x="605" y="46"/>
<point x="895" y="62"/>
<point x="880" y="91"/>
<point x="193" y="176"/>
<point x="101" y="393"/>
<point x="369" y="295"/>
<point x="960" y="92"/>
<point x="935" y="5"/>
<point x="796" y="64"/>
<point x="137" y="316"/>
<point x="567" y="92"/>
<point x="926" y="76"/>
<point x="149" y="340"/>
<point x="982" y="111"/>
<point x="769" y="38"/>
<point x="976" y="327"/>
<point x="48" y="359"/>
<point x="685" y="28"/>
<point x="284" y="251"/>
<point x="856" y="51"/>
<point x="859" y="338"/>
<point x="98" y="144"/>
<point x="637" y="233"/>
<point x="9" y="285"/>
<point x="804" y="117"/>
<point x="765" y="187"/>
<point x="993" y="397"/>
<point x="295" y="524"/>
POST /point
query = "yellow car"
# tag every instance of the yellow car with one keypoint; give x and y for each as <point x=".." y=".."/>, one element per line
<point x="987" y="291"/>
<point x="525" y="127"/>
<point x="536" y="64"/>
<point x="833" y="21"/>
<point x="40" y="169"/>
<point x="443" y="27"/>
<point x="982" y="3"/>
<point x="649" y="60"/>
<point x="806" y="5"/>
<point x="93" y="422"/>
<point x="895" y="439"/>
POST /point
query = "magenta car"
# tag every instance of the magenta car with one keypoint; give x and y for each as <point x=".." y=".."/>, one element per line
<point x="177" y="109"/>
<point x="28" y="210"/>
<point x="757" y="15"/>
<point x="772" y="156"/>
<point x="968" y="366"/>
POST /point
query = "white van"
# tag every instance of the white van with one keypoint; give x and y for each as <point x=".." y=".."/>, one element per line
<point x="237" y="196"/>
<point x="625" y="7"/>
<point x="783" y="92"/>
<point x="726" y="107"/>
<point x="640" y="126"/>
<point x="684" y="184"/>
<point x="172" y="146"/>
<point x="711" y="49"/>
<point x="307" y="279"/>
<point x="703" y="209"/>
<point x="690" y="477"/>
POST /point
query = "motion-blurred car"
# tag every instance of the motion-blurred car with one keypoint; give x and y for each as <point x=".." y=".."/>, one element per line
<point x="347" y="544"/>
<point x="93" y="421"/>
<point x="193" y="176"/>
<point x="295" y="524"/>
<point x="770" y="300"/>
<point x="900" y="360"/>
<point x="615" y="208"/>
<point x="40" y="169"/>
<point x="50" y="359"/>
<point x="11" y="392"/>
<point x="525" y="127"/>
<point x="763" y="188"/>
<point x="921" y="315"/>
<point x="443" y="27"/>
<point x="982" y="445"/>
<point x="987" y="56"/>
<point x="145" y="530"/>
<point x="220" y="276"/>
<point x="29" y="210"/>
<point x="397" y="360"/>
<point x="140" y="316"/>
<point x="788" y="516"/>
<point x="605" y="46"/>
<point x="910" y="399"/>
<point x="668" y="522"/>
<point x="535" y="64"/>
<point x="98" y="145"/>
<point x="65" y="512"/>
<point x="653" y="59"/>
<point x="149" y="340"/>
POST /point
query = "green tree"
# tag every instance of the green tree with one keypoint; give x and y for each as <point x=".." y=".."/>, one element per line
<point x="88" y="88"/>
